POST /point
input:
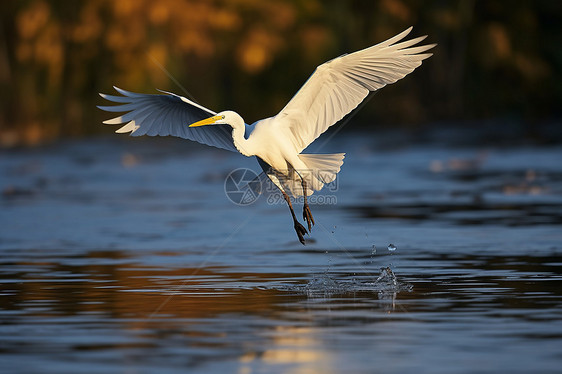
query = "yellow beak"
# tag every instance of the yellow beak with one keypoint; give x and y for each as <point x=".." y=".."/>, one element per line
<point x="207" y="121"/>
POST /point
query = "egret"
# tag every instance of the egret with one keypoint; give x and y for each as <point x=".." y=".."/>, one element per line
<point x="333" y="90"/>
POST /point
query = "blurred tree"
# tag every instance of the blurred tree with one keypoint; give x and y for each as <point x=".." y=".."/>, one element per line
<point x="494" y="58"/>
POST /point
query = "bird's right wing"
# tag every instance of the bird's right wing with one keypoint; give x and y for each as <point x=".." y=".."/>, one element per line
<point x="166" y="114"/>
<point x="340" y="85"/>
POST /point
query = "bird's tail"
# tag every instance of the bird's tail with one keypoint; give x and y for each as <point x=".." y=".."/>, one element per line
<point x="320" y="170"/>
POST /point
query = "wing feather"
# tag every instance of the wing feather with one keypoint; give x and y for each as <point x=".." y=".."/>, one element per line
<point x="165" y="114"/>
<point x="129" y="127"/>
<point x="340" y="85"/>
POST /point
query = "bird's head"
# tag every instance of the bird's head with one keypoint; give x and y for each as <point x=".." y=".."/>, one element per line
<point x="227" y="117"/>
<point x="233" y="120"/>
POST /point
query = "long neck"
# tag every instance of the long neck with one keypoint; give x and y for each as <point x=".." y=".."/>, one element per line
<point x="243" y="145"/>
<point x="240" y="142"/>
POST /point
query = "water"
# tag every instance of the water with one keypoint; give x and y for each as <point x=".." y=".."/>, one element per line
<point x="126" y="256"/>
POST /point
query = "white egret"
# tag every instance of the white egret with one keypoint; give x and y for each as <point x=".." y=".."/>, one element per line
<point x="332" y="91"/>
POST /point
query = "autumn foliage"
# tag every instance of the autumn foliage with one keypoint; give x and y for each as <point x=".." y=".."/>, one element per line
<point x="494" y="58"/>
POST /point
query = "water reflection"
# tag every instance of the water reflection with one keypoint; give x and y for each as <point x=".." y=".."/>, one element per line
<point x="111" y="302"/>
<point x="205" y="308"/>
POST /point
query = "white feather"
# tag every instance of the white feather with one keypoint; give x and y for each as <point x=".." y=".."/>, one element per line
<point x="340" y="85"/>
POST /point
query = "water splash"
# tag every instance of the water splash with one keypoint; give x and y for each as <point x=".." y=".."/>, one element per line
<point x="323" y="286"/>
<point x="328" y="285"/>
<point x="391" y="247"/>
<point x="387" y="277"/>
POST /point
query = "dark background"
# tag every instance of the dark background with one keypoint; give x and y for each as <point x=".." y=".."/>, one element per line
<point x="497" y="63"/>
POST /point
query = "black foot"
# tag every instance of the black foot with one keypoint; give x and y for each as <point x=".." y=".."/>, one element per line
<point x="307" y="216"/>
<point x="301" y="231"/>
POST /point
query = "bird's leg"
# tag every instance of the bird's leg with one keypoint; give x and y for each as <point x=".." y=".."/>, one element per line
<point x="306" y="214"/>
<point x="300" y="230"/>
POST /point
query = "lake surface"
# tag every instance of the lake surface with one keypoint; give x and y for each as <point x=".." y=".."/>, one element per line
<point x="126" y="256"/>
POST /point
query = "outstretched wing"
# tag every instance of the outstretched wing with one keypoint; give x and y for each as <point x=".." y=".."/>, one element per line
<point x="340" y="85"/>
<point x="166" y="114"/>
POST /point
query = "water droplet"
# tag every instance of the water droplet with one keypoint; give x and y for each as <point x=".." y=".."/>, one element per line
<point x="373" y="250"/>
<point x="391" y="247"/>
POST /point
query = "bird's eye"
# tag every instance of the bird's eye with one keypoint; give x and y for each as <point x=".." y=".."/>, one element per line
<point x="222" y="117"/>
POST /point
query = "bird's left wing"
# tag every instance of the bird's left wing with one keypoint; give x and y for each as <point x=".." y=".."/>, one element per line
<point x="340" y="85"/>
<point x="166" y="114"/>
